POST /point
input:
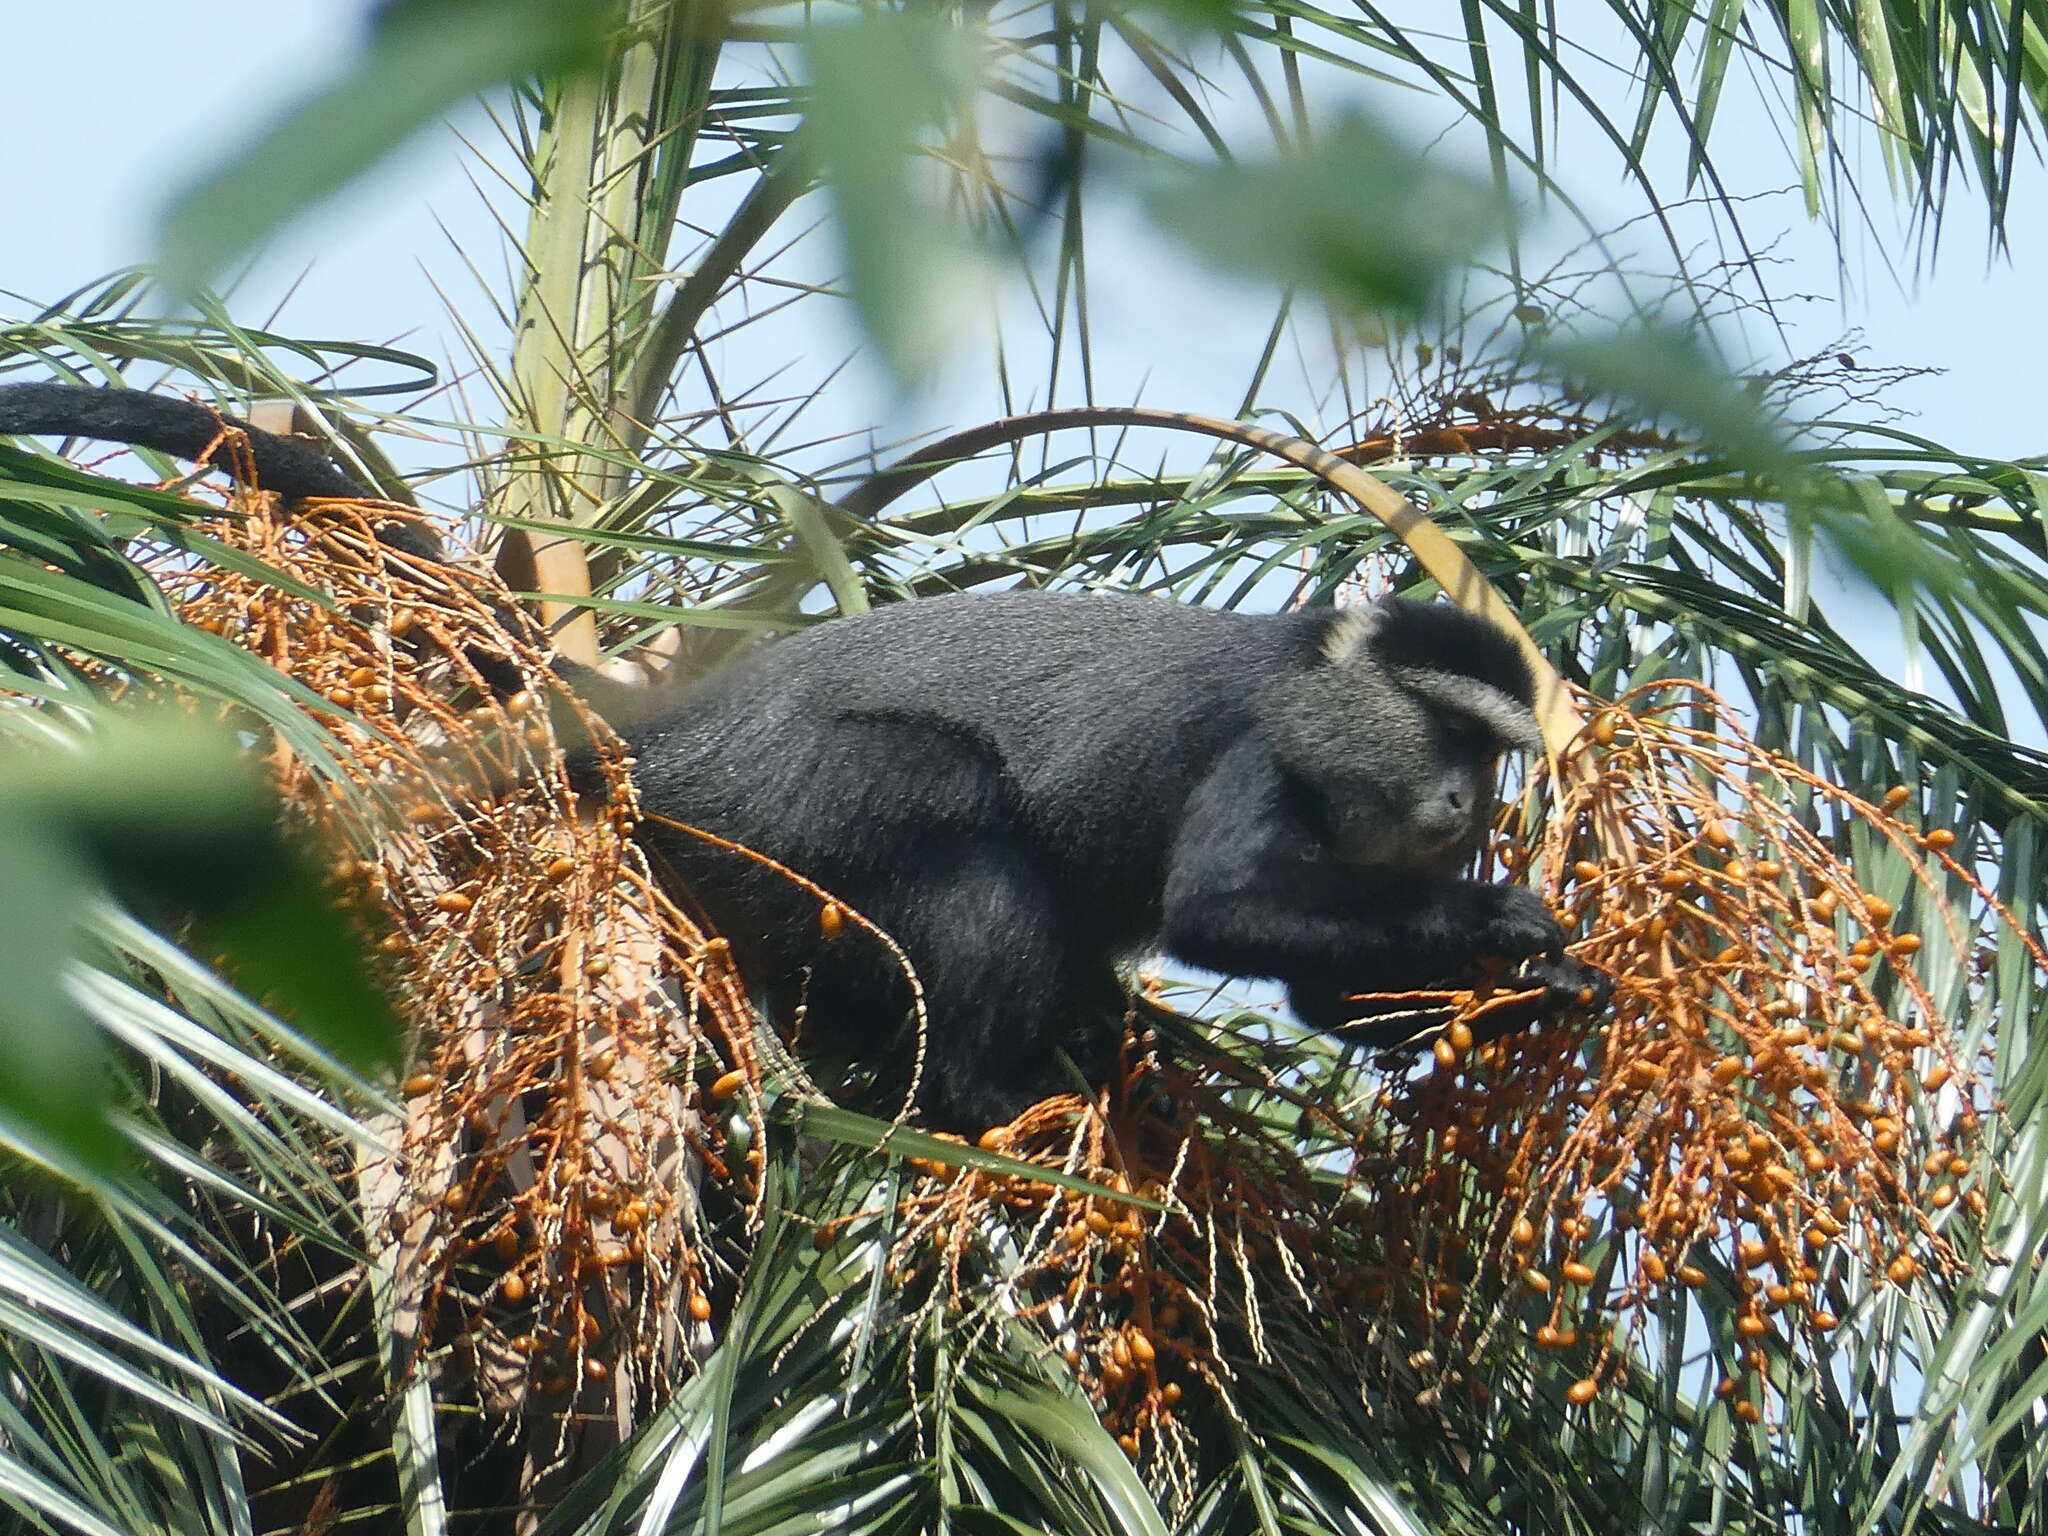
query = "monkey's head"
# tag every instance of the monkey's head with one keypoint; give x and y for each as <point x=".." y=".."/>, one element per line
<point x="1398" y="730"/>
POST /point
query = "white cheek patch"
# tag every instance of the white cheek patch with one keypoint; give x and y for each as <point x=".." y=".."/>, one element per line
<point x="1512" y="722"/>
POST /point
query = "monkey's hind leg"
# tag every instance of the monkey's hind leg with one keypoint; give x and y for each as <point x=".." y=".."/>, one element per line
<point x="917" y="827"/>
<point x="1005" y="980"/>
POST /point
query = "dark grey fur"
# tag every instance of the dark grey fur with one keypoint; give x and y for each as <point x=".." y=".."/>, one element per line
<point x="1025" y="789"/>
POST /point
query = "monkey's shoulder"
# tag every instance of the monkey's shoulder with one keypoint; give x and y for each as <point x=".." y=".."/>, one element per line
<point x="1035" y="642"/>
<point x="1066" y="696"/>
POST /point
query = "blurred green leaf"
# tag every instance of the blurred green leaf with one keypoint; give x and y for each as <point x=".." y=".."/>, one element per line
<point x="879" y="86"/>
<point x="169" y="815"/>
<point x="425" y="57"/>
<point x="1661" y="374"/>
<point x="53" y="1074"/>
<point x="1358" y="216"/>
<point x="1889" y="552"/>
<point x="1203" y="15"/>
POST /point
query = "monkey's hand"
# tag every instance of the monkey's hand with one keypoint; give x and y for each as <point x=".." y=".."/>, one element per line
<point x="1541" y="989"/>
<point x="1566" y="982"/>
<point x="1527" y="935"/>
<point x="1506" y="943"/>
<point x="1513" y="924"/>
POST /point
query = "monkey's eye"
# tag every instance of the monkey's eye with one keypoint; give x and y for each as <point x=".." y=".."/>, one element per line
<point x="1466" y="739"/>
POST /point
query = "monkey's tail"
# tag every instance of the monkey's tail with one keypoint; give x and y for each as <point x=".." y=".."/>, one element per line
<point x="246" y="454"/>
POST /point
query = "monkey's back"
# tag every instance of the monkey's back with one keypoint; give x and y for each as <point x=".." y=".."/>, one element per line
<point x="1097" y="714"/>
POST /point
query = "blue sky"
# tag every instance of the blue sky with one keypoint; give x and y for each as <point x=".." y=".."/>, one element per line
<point x="95" y="143"/>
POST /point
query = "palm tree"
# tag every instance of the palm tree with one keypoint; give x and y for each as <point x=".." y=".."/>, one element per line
<point x="213" y="1316"/>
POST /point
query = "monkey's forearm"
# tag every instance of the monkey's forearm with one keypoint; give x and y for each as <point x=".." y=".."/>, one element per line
<point x="1391" y="927"/>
